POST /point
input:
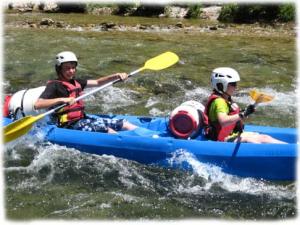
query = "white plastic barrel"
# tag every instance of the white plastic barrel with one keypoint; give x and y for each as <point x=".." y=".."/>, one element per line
<point x="27" y="98"/>
<point x="185" y="120"/>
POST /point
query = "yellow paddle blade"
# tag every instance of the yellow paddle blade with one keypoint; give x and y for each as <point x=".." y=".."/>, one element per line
<point x="260" y="97"/>
<point x="20" y="127"/>
<point x="161" y="61"/>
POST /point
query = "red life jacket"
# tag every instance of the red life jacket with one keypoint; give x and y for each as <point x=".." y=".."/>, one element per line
<point x="75" y="111"/>
<point x="215" y="131"/>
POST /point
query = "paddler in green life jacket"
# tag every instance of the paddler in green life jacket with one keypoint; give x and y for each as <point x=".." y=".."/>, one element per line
<point x="66" y="88"/>
<point x="224" y="116"/>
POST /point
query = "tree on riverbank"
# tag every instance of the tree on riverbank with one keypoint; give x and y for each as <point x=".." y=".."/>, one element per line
<point x="249" y="13"/>
<point x="234" y="13"/>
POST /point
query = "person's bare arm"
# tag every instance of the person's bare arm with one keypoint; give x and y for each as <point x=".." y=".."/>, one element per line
<point x="47" y="103"/>
<point x="226" y="120"/>
<point x="106" y="79"/>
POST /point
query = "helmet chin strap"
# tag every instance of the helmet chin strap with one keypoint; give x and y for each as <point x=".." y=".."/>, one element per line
<point x="226" y="94"/>
<point x="223" y="93"/>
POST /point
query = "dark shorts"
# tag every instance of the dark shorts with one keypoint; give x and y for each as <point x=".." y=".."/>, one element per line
<point x="98" y="124"/>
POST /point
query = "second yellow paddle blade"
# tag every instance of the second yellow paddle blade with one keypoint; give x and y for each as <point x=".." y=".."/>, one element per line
<point x="259" y="97"/>
<point x="161" y="61"/>
<point x="20" y="127"/>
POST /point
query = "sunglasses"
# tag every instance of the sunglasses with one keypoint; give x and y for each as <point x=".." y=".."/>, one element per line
<point x="233" y="84"/>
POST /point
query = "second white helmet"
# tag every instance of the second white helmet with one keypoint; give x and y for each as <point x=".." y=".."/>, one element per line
<point x="65" y="56"/>
<point x="220" y="77"/>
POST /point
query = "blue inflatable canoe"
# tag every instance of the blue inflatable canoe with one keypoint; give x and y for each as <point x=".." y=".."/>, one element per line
<point x="152" y="143"/>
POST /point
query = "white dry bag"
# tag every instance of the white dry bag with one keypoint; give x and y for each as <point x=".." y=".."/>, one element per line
<point x="186" y="120"/>
<point x="22" y="102"/>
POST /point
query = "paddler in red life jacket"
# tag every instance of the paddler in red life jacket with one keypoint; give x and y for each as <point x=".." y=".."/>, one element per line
<point x="224" y="116"/>
<point x="66" y="88"/>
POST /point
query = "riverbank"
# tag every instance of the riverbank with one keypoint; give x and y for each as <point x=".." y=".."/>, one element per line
<point x="100" y="23"/>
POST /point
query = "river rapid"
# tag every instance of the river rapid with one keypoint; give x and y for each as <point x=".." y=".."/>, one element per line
<point x="47" y="181"/>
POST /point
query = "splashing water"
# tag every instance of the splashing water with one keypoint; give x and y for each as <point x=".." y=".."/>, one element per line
<point x="213" y="176"/>
<point x="96" y="184"/>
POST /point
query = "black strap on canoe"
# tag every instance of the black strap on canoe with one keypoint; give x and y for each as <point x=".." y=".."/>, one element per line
<point x="21" y="108"/>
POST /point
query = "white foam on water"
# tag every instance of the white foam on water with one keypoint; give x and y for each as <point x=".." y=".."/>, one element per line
<point x="111" y="98"/>
<point x="5" y="84"/>
<point x="126" y="197"/>
<point x="213" y="175"/>
<point x="283" y="102"/>
<point x="34" y="166"/>
<point x="157" y="112"/>
<point x="9" y="39"/>
<point x="139" y="45"/>
<point x="152" y="101"/>
<point x="52" y="157"/>
<point x="127" y="173"/>
<point x="78" y="28"/>
<point x="46" y="157"/>
<point x="30" y="139"/>
<point x="105" y="206"/>
<point x="73" y="208"/>
<point x="198" y="94"/>
<point x="181" y="156"/>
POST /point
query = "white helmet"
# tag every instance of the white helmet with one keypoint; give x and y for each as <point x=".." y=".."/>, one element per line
<point x="220" y="77"/>
<point x="65" y="56"/>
